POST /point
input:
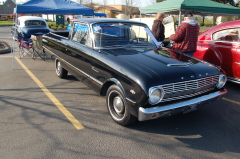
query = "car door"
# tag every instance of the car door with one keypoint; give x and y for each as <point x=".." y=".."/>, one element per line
<point x="226" y="46"/>
<point x="236" y="60"/>
<point x="79" y="51"/>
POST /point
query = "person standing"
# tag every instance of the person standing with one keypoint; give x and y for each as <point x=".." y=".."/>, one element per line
<point x="158" y="28"/>
<point x="68" y="20"/>
<point x="186" y="35"/>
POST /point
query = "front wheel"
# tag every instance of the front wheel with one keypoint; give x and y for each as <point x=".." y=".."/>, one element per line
<point x="61" y="72"/>
<point x="117" y="106"/>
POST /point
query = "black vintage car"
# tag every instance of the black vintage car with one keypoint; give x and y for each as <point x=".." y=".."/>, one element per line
<point x="120" y="59"/>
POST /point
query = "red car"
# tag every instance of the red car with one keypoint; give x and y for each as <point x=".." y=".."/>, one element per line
<point x="220" y="45"/>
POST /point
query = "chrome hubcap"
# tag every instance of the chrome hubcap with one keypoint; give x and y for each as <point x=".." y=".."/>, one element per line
<point x="58" y="67"/>
<point x="118" y="105"/>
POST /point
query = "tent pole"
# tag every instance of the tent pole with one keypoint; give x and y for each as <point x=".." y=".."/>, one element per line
<point x="140" y="11"/>
<point x="140" y="16"/>
<point x="14" y="35"/>
<point x="179" y="18"/>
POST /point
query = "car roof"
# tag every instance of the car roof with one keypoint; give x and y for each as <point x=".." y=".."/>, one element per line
<point x="24" y="18"/>
<point x="230" y="23"/>
<point x="105" y="20"/>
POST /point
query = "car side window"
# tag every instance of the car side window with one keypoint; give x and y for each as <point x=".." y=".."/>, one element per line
<point x="80" y="34"/>
<point x="227" y="35"/>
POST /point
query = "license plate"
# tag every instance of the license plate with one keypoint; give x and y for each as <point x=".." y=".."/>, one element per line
<point x="191" y="108"/>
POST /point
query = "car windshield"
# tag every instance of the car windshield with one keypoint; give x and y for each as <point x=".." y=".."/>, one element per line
<point x="115" y="35"/>
<point x="34" y="22"/>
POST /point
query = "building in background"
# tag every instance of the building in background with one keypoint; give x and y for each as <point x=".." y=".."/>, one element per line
<point x="113" y="11"/>
<point x="7" y="7"/>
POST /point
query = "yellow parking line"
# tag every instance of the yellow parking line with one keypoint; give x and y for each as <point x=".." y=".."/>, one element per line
<point x="70" y="117"/>
<point x="233" y="101"/>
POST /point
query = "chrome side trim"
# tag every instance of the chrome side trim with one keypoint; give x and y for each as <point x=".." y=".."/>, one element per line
<point x="217" y="41"/>
<point x="170" y="109"/>
<point x="235" y="80"/>
<point x="205" y="40"/>
<point x="97" y="81"/>
<point x="130" y="101"/>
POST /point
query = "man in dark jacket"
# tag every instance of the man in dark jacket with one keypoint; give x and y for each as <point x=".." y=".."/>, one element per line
<point x="158" y="28"/>
<point x="186" y="35"/>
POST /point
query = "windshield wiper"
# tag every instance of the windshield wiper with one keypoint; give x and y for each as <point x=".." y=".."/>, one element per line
<point x="142" y="45"/>
<point x="114" y="46"/>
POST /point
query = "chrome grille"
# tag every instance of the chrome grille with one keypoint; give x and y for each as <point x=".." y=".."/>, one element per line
<point x="190" y="88"/>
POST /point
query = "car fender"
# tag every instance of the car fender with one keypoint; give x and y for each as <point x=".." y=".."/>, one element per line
<point x="212" y="52"/>
<point x="108" y="83"/>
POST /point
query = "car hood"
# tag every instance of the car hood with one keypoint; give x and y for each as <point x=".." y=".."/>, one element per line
<point x="164" y="65"/>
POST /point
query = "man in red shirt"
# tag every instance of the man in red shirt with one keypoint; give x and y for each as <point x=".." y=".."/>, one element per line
<point x="186" y="35"/>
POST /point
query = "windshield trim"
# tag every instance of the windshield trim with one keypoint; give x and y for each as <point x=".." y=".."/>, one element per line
<point x="117" y="46"/>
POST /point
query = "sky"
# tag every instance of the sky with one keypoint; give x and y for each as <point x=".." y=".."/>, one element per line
<point x="139" y="3"/>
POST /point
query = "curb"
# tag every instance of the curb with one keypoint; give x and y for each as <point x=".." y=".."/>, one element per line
<point x="7" y="48"/>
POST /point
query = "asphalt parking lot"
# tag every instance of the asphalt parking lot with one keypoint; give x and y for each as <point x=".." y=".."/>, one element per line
<point x="43" y="116"/>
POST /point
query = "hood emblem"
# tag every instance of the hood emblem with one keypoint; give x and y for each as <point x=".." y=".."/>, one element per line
<point x="132" y="91"/>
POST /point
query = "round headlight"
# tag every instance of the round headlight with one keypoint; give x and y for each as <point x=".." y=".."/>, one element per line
<point x="222" y="79"/>
<point x="156" y="94"/>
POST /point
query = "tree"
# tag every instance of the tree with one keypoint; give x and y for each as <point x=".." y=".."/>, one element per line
<point x="102" y="6"/>
<point x="159" y="0"/>
<point x="79" y="1"/>
<point x="105" y="2"/>
<point x="231" y="2"/>
<point x="238" y="4"/>
<point x="129" y="9"/>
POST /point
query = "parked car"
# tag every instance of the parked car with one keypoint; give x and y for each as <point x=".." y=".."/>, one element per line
<point x="220" y="45"/>
<point x="120" y="59"/>
<point x="29" y="25"/>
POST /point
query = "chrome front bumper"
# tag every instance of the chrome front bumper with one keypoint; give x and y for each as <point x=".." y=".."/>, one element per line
<point x="235" y="80"/>
<point x="171" y="109"/>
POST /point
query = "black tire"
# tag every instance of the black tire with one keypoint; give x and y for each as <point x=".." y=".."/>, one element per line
<point x="117" y="107"/>
<point x="60" y="71"/>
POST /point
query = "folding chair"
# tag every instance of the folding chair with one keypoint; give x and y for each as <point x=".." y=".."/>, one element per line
<point x="37" y="46"/>
<point x="31" y="47"/>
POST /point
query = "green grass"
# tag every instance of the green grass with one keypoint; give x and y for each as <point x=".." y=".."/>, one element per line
<point x="2" y="23"/>
<point x="49" y="23"/>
